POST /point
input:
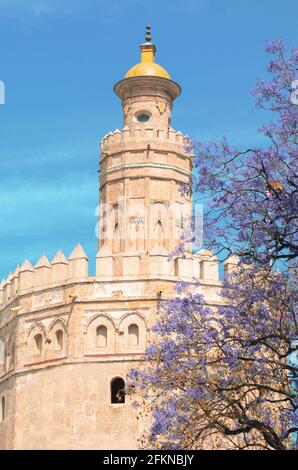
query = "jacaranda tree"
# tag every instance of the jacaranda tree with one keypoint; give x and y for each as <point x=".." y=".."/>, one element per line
<point x="252" y="194"/>
<point x="221" y="378"/>
<point x="225" y="377"/>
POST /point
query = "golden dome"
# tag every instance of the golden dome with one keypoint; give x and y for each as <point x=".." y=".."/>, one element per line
<point x="147" y="66"/>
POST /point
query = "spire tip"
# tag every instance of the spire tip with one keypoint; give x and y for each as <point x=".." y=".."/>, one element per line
<point x="148" y="33"/>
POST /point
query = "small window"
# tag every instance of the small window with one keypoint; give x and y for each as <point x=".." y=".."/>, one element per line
<point x="59" y="340"/>
<point x="117" y="391"/>
<point x="38" y="344"/>
<point x="143" y="117"/>
<point x="133" y="335"/>
<point x="101" y="336"/>
<point x="2" y="408"/>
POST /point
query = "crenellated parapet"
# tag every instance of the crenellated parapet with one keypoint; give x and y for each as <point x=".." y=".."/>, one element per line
<point x="139" y="138"/>
<point x="38" y="325"/>
<point x="203" y="266"/>
<point x="44" y="275"/>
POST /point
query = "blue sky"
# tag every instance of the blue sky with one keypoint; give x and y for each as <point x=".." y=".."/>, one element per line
<point x="59" y="60"/>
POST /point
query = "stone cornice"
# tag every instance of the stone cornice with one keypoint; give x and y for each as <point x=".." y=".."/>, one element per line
<point x="164" y="166"/>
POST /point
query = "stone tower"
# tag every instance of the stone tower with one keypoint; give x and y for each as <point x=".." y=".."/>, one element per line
<point x="68" y="339"/>
<point x="142" y="211"/>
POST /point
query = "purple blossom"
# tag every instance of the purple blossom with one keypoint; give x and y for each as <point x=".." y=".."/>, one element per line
<point x="227" y="374"/>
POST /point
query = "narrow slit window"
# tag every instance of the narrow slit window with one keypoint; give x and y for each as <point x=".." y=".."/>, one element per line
<point x="59" y="340"/>
<point x="38" y="344"/>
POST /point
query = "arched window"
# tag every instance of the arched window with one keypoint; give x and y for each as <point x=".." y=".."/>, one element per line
<point x="38" y="344"/>
<point x="2" y="408"/>
<point x="118" y="391"/>
<point x="159" y="224"/>
<point x="101" y="336"/>
<point x="116" y="238"/>
<point x="133" y="335"/>
<point x="159" y="234"/>
<point x="116" y="242"/>
<point x="59" y="340"/>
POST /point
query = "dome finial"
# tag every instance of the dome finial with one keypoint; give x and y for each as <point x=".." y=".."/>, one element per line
<point x="147" y="66"/>
<point x="148" y="33"/>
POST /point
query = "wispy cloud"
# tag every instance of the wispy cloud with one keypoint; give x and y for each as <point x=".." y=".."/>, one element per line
<point x="40" y="8"/>
<point x="33" y="13"/>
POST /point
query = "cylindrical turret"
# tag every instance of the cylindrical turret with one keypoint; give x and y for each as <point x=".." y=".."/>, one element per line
<point x="147" y="92"/>
<point x="142" y="170"/>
